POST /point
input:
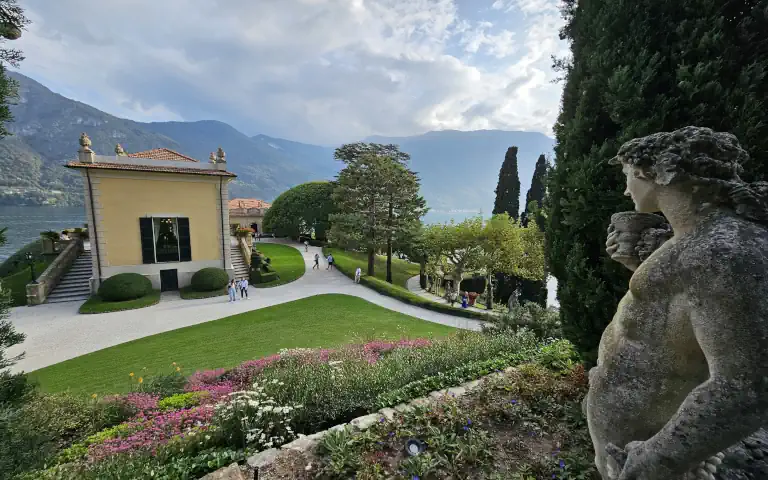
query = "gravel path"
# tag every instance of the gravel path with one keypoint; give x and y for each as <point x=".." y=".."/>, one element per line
<point x="56" y="332"/>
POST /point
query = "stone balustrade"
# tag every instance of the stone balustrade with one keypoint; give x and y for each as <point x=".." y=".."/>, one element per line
<point x="47" y="281"/>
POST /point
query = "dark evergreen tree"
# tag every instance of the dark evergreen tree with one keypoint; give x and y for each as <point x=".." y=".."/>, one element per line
<point x="534" y="290"/>
<point x="12" y="22"/>
<point x="638" y="68"/>
<point x="537" y="191"/>
<point x="508" y="188"/>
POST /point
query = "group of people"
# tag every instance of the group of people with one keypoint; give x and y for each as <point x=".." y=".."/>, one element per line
<point x="234" y="286"/>
<point x="328" y="259"/>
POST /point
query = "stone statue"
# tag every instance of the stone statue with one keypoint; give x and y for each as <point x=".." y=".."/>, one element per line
<point x="680" y="390"/>
<point x="212" y="158"/>
<point x="119" y="150"/>
<point x="85" y="142"/>
<point x="221" y="157"/>
<point x="514" y="299"/>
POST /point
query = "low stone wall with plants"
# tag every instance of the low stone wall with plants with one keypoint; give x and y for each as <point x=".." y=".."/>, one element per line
<point x="174" y="426"/>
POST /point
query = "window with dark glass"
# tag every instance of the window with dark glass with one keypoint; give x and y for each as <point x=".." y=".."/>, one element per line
<point x="165" y="239"/>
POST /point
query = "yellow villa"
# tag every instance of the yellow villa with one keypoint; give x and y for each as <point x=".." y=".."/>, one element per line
<point x="157" y="213"/>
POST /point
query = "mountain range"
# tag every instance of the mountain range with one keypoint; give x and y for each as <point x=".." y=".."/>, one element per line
<point x="458" y="169"/>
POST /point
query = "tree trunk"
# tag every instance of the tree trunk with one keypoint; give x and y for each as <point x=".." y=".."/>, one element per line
<point x="489" y="297"/>
<point x="423" y="272"/>
<point x="371" y="261"/>
<point x="389" y="259"/>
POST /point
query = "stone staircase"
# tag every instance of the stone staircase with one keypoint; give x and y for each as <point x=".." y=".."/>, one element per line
<point x="238" y="262"/>
<point x="75" y="284"/>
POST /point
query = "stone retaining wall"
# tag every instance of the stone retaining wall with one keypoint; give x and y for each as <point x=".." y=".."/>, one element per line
<point x="47" y="281"/>
<point x="305" y="443"/>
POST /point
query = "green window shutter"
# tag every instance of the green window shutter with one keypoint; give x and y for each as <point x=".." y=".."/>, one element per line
<point x="185" y="249"/>
<point x="147" y="240"/>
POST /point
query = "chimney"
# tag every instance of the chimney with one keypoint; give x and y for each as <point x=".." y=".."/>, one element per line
<point x="85" y="154"/>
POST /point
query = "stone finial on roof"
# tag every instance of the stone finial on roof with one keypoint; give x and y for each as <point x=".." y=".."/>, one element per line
<point x="221" y="157"/>
<point x="85" y="154"/>
<point x="212" y="158"/>
<point x="119" y="150"/>
<point x="85" y="142"/>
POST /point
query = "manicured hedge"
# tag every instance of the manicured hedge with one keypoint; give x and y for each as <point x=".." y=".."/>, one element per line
<point x="209" y="279"/>
<point x="125" y="286"/>
<point x="263" y="277"/>
<point x="400" y="293"/>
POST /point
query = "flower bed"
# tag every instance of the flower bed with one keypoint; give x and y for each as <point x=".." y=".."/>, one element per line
<point x="220" y="414"/>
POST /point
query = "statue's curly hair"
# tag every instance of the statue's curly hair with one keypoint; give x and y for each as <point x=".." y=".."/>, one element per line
<point x="703" y="158"/>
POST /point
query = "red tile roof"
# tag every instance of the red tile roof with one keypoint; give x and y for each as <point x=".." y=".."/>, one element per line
<point x="149" y="168"/>
<point x="162" y="154"/>
<point x="248" y="203"/>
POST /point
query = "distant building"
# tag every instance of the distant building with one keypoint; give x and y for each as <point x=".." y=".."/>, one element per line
<point x="157" y="213"/>
<point x="247" y="212"/>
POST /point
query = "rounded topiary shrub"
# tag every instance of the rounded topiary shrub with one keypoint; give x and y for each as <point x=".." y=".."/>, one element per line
<point x="209" y="279"/>
<point x="125" y="286"/>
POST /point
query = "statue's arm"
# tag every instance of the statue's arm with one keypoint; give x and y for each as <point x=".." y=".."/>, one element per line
<point x="729" y="316"/>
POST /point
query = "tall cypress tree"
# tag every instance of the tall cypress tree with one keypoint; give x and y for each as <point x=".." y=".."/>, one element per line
<point x="508" y="188"/>
<point x="535" y="290"/>
<point x="637" y="68"/>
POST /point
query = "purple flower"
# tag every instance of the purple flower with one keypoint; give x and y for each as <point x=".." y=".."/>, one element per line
<point x="562" y="464"/>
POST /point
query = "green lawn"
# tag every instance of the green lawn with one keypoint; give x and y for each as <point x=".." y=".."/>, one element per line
<point x="17" y="282"/>
<point x="319" y="321"/>
<point x="349" y="261"/>
<point x="286" y="260"/>
<point x="95" y="304"/>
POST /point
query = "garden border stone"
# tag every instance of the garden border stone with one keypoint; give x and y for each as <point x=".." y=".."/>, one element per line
<point x="304" y="443"/>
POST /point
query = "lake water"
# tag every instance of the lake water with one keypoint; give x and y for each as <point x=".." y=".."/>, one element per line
<point x="24" y="224"/>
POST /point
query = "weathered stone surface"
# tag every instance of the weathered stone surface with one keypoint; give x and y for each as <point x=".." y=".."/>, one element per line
<point x="318" y="435"/>
<point x="262" y="459"/>
<point x="388" y="413"/>
<point x="231" y="472"/>
<point x="302" y="444"/>
<point x="471" y="385"/>
<point x="363" y="423"/>
<point x="336" y="428"/>
<point x="438" y="394"/>
<point x="421" y="401"/>
<point x="683" y="368"/>
<point x="403" y="408"/>
<point x="457" y="391"/>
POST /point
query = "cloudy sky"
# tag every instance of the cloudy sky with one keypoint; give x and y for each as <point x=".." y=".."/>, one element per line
<point x="321" y="71"/>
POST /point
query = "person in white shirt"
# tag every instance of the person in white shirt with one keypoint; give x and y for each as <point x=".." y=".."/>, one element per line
<point x="358" y="272"/>
<point x="244" y="288"/>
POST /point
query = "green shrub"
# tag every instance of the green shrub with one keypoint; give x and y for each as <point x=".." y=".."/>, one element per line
<point x="544" y="322"/>
<point x="263" y="277"/>
<point x="125" y="286"/>
<point x="209" y="279"/>
<point x="181" y="400"/>
<point x="18" y="261"/>
<point x="14" y="388"/>
<point x="165" y="384"/>
<point x="36" y="431"/>
<point x="333" y="393"/>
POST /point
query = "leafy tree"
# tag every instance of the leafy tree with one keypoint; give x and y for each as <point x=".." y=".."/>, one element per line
<point x="460" y="244"/>
<point x="509" y="248"/>
<point x="12" y="22"/>
<point x="404" y="205"/>
<point x="351" y="152"/>
<point x="361" y="195"/>
<point x="412" y="242"/>
<point x="508" y="188"/>
<point x="637" y="68"/>
<point x="303" y="210"/>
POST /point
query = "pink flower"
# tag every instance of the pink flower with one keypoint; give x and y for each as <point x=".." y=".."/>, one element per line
<point x="206" y="376"/>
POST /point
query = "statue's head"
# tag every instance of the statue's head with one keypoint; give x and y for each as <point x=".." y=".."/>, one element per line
<point x="695" y="160"/>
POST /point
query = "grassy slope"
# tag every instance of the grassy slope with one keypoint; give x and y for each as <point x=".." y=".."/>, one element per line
<point x="286" y="260"/>
<point x="319" y="321"/>
<point x="17" y="282"/>
<point x="401" y="269"/>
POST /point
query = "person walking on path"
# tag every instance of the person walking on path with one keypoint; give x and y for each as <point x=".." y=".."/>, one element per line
<point x="317" y="262"/>
<point x="244" y="288"/>
<point x="231" y="291"/>
<point x="358" y="272"/>
<point x="330" y="262"/>
<point x="306" y="245"/>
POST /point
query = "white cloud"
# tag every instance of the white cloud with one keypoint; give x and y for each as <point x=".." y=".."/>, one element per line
<point x="315" y="70"/>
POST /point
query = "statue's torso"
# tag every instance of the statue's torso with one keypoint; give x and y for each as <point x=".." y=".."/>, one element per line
<point x="649" y="359"/>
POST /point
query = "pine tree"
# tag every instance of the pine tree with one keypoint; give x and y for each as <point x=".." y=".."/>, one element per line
<point x="508" y="188"/>
<point x="12" y="22"/>
<point x="638" y="68"/>
<point x="537" y="191"/>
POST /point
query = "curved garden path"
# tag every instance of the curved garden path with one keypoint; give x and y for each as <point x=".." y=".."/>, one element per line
<point x="56" y="332"/>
